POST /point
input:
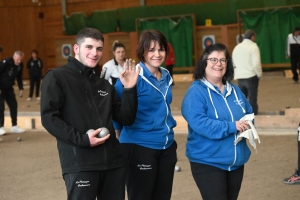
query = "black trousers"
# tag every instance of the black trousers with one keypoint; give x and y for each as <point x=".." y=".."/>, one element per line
<point x="7" y="95"/>
<point x="149" y="172"/>
<point x="217" y="184"/>
<point x="34" y="81"/>
<point x="295" y="64"/>
<point x="105" y="185"/>
<point x="249" y="87"/>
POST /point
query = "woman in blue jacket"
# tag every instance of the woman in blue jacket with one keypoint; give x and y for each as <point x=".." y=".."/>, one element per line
<point x="213" y="107"/>
<point x="148" y="144"/>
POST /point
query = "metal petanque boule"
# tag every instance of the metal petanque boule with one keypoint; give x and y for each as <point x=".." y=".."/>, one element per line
<point x="104" y="132"/>
<point x="177" y="168"/>
<point x="89" y="131"/>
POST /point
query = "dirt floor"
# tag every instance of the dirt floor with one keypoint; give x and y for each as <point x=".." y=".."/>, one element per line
<point x="30" y="169"/>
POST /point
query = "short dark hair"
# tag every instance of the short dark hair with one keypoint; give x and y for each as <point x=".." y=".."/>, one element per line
<point x="199" y="72"/>
<point x="34" y="51"/>
<point x="249" y="33"/>
<point x="117" y="44"/>
<point x="88" y="33"/>
<point x="145" y="40"/>
<point x="297" y="28"/>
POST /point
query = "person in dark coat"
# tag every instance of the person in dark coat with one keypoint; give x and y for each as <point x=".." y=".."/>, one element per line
<point x="34" y="66"/>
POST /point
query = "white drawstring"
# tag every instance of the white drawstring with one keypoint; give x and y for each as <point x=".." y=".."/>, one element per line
<point x="216" y="113"/>
<point x="238" y="100"/>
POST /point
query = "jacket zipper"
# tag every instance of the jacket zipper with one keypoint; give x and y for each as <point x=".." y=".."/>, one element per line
<point x="93" y="104"/>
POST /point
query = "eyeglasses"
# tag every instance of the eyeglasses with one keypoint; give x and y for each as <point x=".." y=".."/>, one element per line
<point x="223" y="61"/>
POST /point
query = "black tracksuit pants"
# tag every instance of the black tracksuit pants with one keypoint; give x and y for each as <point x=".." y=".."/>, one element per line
<point x="215" y="183"/>
<point x="149" y="172"/>
<point x="295" y="65"/>
<point x="105" y="185"/>
<point x="7" y="95"/>
<point x="35" y="81"/>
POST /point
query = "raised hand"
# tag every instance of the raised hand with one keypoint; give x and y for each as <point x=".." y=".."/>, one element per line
<point x="130" y="74"/>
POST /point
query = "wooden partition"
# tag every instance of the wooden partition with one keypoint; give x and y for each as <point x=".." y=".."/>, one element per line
<point x="60" y="59"/>
<point x="26" y="26"/>
<point x="128" y="39"/>
<point x="225" y="34"/>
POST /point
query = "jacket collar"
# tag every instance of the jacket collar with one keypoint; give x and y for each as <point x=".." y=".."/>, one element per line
<point x="116" y="63"/>
<point x="76" y="65"/>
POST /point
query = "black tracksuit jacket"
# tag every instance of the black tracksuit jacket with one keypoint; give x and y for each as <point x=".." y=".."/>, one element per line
<point x="75" y="100"/>
<point x="35" y="68"/>
<point x="9" y="72"/>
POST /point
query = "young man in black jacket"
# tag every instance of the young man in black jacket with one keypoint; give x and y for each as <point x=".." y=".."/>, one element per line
<point x="10" y="69"/>
<point x="75" y="100"/>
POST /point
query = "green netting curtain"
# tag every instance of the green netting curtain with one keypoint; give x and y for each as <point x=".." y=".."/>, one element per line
<point x="272" y="29"/>
<point x="104" y="21"/>
<point x="107" y="20"/>
<point x="74" y="23"/>
<point x="179" y="34"/>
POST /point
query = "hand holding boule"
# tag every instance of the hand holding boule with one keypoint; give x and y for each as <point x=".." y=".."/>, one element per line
<point x="95" y="138"/>
<point x="104" y="132"/>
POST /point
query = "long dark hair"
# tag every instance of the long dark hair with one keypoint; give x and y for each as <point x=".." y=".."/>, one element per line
<point x="199" y="72"/>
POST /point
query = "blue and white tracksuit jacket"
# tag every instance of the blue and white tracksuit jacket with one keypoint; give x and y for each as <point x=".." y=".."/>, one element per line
<point x="211" y="118"/>
<point x="154" y="123"/>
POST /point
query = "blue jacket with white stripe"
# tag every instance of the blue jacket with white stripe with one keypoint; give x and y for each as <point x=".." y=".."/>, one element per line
<point x="211" y="118"/>
<point x="154" y="123"/>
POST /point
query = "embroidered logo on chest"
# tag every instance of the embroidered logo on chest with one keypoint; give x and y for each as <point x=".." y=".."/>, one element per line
<point x="238" y="102"/>
<point x="102" y="93"/>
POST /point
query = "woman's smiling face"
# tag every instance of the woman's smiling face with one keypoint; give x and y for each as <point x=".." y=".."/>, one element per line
<point x="155" y="56"/>
<point x="215" y="72"/>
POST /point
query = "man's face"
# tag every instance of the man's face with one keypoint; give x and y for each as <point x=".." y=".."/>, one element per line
<point x="89" y="52"/>
<point x="17" y="59"/>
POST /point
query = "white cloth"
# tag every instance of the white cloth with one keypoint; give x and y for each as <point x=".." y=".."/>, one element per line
<point x="246" y="59"/>
<point x="250" y="134"/>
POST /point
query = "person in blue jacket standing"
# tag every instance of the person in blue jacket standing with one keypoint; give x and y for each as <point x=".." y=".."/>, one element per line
<point x="148" y="144"/>
<point x="213" y="107"/>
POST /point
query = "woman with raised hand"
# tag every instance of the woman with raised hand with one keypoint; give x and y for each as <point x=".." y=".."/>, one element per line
<point x="148" y="144"/>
